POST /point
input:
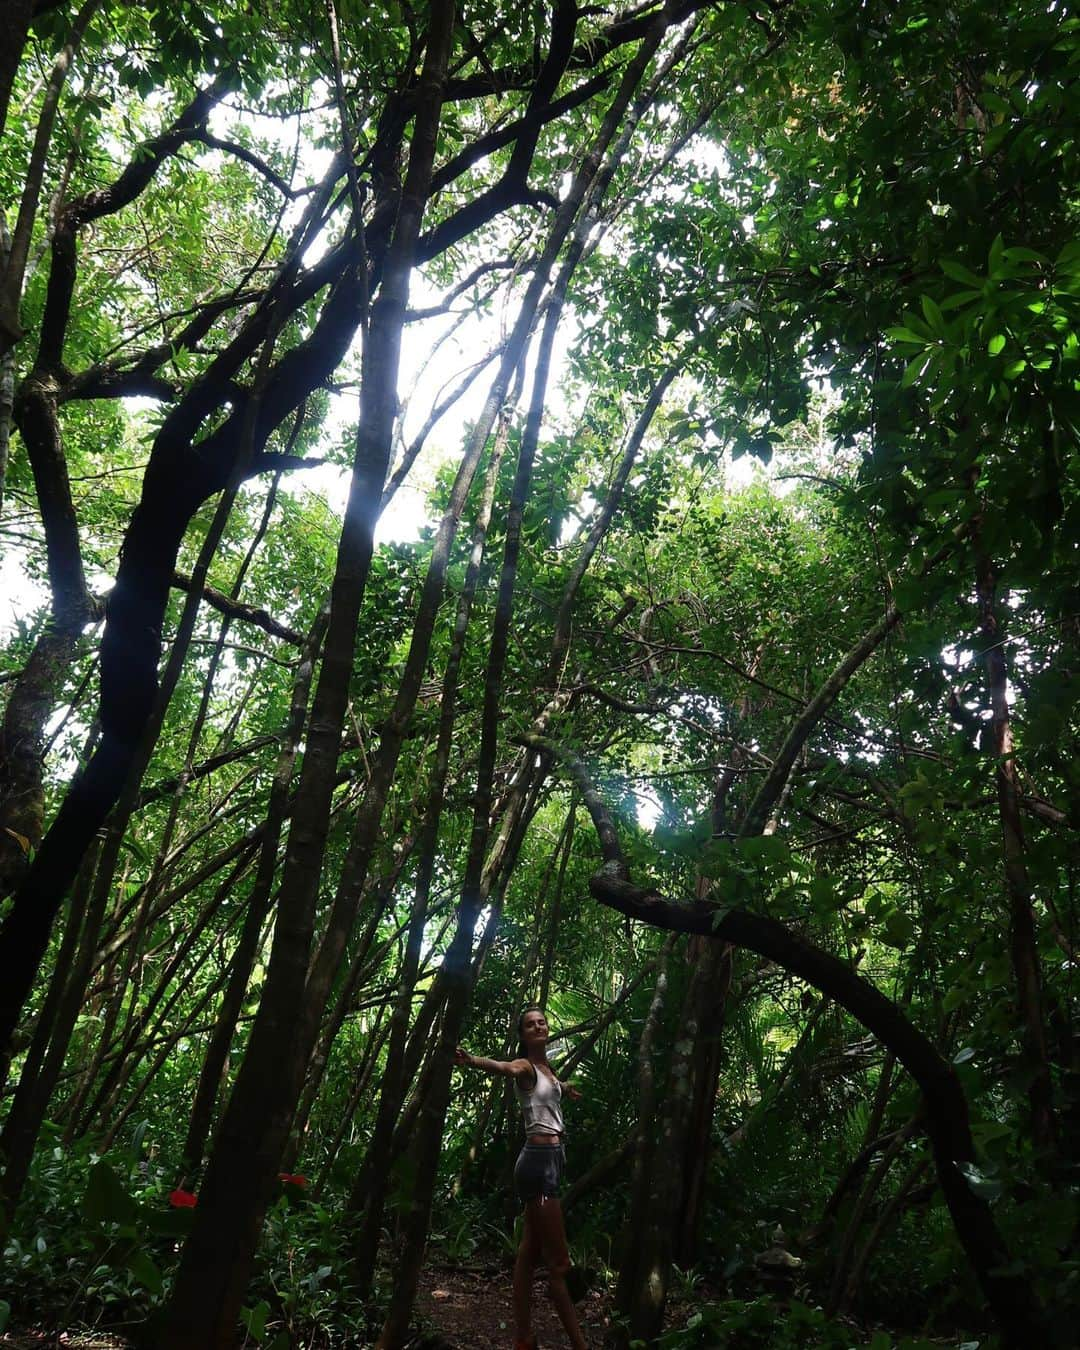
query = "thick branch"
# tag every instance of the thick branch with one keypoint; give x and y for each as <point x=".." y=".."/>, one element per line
<point x="587" y="54"/>
<point x="166" y="786"/>
<point x="249" y="157"/>
<point x="235" y="609"/>
<point x="106" y="201"/>
<point x="487" y="145"/>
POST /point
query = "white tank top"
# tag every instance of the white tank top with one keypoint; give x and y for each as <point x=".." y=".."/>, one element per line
<point x="541" y="1105"/>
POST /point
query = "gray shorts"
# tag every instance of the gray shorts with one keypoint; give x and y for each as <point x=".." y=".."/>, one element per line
<point x="538" y="1172"/>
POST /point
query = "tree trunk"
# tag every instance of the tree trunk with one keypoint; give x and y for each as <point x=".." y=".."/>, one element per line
<point x="45" y="1058"/>
<point x="644" y="1142"/>
<point x="364" y="1073"/>
<point x="698" y="1150"/>
<point x="363" y="1196"/>
<point x="1023" y="938"/>
<point x="361" y="966"/>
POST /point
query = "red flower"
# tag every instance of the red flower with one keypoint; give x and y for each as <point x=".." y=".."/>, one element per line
<point x="293" y="1178"/>
<point x="180" y="1199"/>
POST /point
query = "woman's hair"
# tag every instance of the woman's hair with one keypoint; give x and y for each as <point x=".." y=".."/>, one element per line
<point x="522" y="1052"/>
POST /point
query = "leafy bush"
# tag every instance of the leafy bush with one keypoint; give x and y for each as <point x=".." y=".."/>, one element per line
<point x="764" y="1322"/>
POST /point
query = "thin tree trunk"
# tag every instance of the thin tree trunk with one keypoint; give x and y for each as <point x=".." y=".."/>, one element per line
<point x="45" y="1057"/>
<point x="125" y="1058"/>
<point x="138" y="1019"/>
<point x="1023" y="938"/>
<point x="612" y="1166"/>
<point x="125" y="807"/>
<point x="20" y="14"/>
<point x="456" y="965"/>
<point x="169" y="1042"/>
<point x="178" y="480"/>
<point x="548" y="964"/>
<point x="889" y="1211"/>
<point x="213" y="1066"/>
<point x="359" y="969"/>
<point x="836" y="1298"/>
<point x="376" y="1164"/>
<point x="367" y="828"/>
<point x="364" y="1073"/>
<point x="11" y="282"/>
<point x="7" y="358"/>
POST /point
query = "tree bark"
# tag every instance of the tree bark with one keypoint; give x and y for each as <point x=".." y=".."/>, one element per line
<point x="644" y="1148"/>
<point x="45" y="1058"/>
<point x="1023" y="937"/>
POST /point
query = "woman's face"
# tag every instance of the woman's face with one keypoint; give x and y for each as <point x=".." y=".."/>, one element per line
<point x="534" y="1028"/>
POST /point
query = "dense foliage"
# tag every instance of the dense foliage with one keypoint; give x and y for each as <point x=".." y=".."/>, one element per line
<point x="544" y="502"/>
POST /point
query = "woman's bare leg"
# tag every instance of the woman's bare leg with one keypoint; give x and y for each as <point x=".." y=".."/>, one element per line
<point x="527" y="1255"/>
<point x="549" y="1227"/>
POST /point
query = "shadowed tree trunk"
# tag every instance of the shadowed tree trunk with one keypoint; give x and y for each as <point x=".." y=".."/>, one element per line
<point x="178" y="479"/>
<point x="45" y="1057"/>
<point x="213" y="1065"/>
<point x="644" y="1148"/>
<point x="1023" y="939"/>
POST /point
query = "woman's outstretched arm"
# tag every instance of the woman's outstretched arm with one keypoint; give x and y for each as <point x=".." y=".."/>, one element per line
<point x="520" y="1069"/>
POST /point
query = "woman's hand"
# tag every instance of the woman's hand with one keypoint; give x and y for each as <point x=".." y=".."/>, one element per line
<point x="572" y="1092"/>
<point x="462" y="1056"/>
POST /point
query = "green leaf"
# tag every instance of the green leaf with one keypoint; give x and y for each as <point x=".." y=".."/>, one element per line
<point x="914" y="370"/>
<point x="959" y="299"/>
<point x="106" y="1199"/>
<point x="905" y="335"/>
<point x="823" y="897"/>
<point x="982" y="1184"/>
<point x="254" y="1319"/>
<point x="1019" y="254"/>
<point x="934" y="316"/>
<point x="898" y="929"/>
<point x="719" y="915"/>
<point x="958" y="994"/>
<point x="145" y="1271"/>
<point x="766" y="848"/>
<point x="959" y="272"/>
<point x="996" y="344"/>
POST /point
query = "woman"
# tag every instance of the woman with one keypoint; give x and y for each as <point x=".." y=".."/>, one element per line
<point x="538" y="1174"/>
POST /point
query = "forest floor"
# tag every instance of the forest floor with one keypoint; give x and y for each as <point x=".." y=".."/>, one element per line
<point x="470" y="1308"/>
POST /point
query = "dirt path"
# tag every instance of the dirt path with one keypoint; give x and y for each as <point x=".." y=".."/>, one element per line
<point x="470" y="1307"/>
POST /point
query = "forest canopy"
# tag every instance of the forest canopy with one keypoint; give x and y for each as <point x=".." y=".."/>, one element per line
<point x="561" y="504"/>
